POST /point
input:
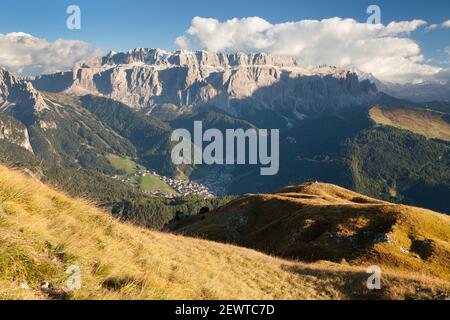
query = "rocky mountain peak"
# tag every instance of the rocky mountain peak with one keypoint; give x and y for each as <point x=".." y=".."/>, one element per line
<point x="7" y="81"/>
<point x="186" y="58"/>
<point x="25" y="94"/>
<point x="20" y="97"/>
<point x="237" y="82"/>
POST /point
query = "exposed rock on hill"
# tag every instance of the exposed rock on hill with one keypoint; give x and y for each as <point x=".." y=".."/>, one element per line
<point x="22" y="101"/>
<point x="314" y="222"/>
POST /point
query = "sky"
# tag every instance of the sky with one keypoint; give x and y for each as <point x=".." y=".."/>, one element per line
<point x="34" y="32"/>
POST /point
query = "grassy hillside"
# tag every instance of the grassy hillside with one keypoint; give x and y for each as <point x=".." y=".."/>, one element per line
<point x="43" y="232"/>
<point x="125" y="200"/>
<point x="148" y="182"/>
<point x="153" y="183"/>
<point x="125" y="165"/>
<point x="431" y="124"/>
<point x="316" y="222"/>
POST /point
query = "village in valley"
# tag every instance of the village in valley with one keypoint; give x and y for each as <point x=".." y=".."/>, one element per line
<point x="182" y="188"/>
<point x="187" y="188"/>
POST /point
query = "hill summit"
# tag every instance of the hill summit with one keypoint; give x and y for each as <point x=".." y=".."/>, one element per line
<point x="317" y="221"/>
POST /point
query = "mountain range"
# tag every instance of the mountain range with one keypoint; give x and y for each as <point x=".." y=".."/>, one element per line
<point x="127" y="104"/>
<point x="422" y="92"/>
<point x="239" y="84"/>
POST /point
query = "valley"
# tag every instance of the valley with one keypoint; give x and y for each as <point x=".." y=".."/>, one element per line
<point x="333" y="146"/>
<point x="151" y="183"/>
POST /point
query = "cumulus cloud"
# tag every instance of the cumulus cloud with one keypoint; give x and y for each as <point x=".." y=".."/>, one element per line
<point x="446" y="24"/>
<point x="433" y="26"/>
<point x="25" y="54"/>
<point x="386" y="51"/>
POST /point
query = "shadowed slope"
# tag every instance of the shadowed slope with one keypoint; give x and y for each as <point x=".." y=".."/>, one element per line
<point x="316" y="222"/>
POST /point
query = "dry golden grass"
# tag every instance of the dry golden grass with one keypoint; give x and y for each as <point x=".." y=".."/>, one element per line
<point x="431" y="124"/>
<point x="320" y="221"/>
<point x="43" y="232"/>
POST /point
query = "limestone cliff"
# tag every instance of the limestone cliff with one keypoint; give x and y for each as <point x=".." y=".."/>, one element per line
<point x="146" y="78"/>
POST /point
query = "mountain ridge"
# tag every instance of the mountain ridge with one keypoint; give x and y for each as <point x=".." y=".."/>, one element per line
<point x="147" y="78"/>
<point x="318" y="221"/>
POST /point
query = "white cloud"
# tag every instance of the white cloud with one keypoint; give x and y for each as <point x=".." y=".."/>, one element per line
<point x="395" y="28"/>
<point x="25" y="54"/>
<point x="433" y="26"/>
<point x="446" y="24"/>
<point x="240" y="34"/>
<point x="384" y="51"/>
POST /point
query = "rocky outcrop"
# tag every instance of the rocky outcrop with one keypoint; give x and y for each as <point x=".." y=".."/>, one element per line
<point x="14" y="132"/>
<point x="20" y="98"/>
<point x="7" y="81"/>
<point x="22" y="101"/>
<point x="146" y="78"/>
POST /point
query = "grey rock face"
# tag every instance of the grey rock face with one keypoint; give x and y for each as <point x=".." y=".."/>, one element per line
<point x="12" y="93"/>
<point x="146" y="78"/>
<point x="20" y="98"/>
<point x="14" y="132"/>
<point x="7" y="81"/>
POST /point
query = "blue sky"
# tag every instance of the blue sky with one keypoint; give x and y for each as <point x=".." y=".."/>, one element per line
<point x="122" y="25"/>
